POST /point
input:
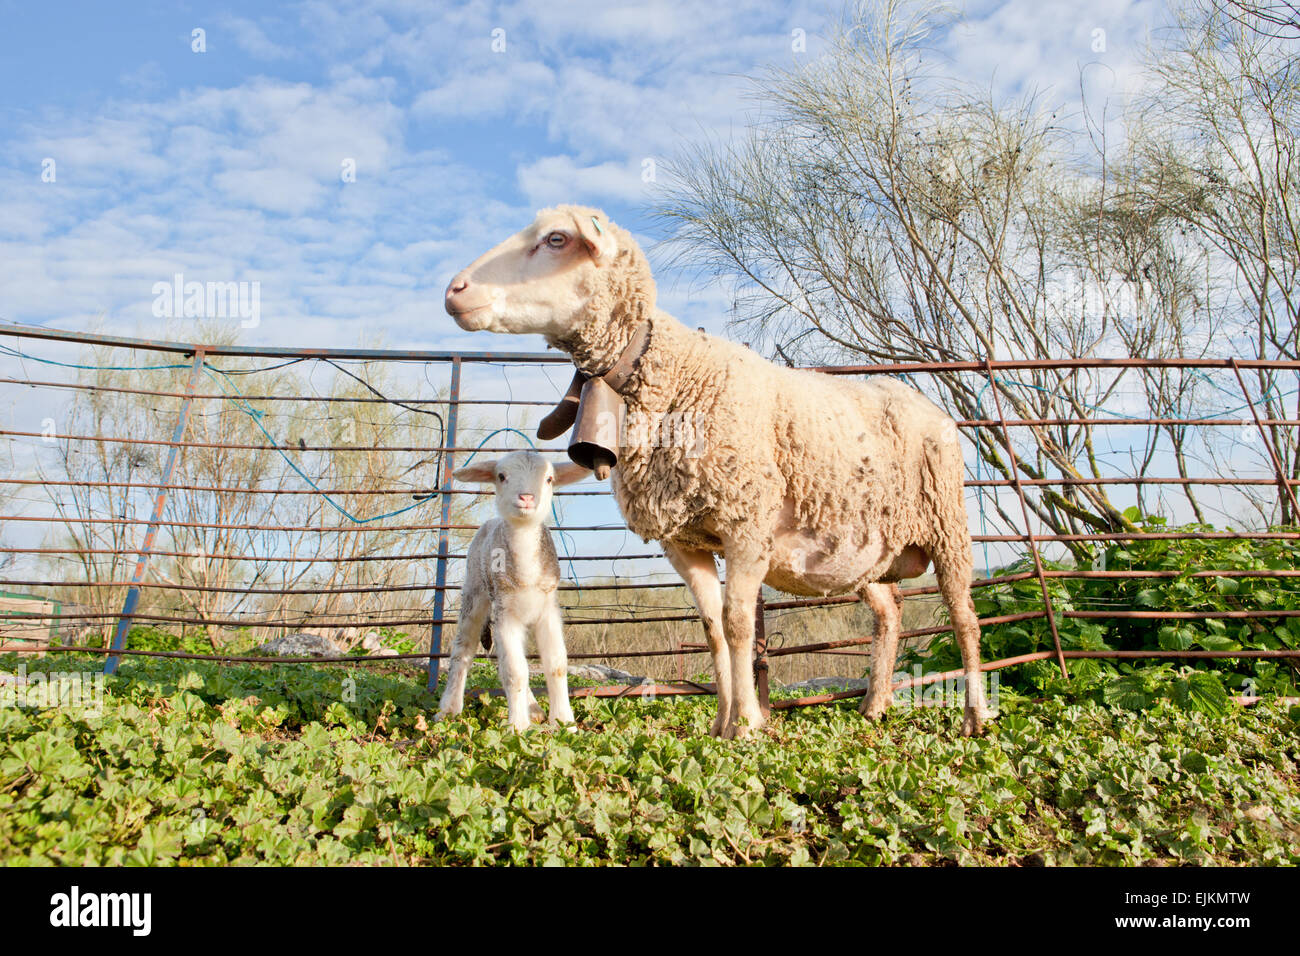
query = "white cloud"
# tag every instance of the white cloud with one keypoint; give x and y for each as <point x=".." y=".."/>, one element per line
<point x="496" y="86"/>
<point x="250" y="38"/>
<point x="558" y="179"/>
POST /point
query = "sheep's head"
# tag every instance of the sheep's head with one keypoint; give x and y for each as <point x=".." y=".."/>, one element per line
<point x="568" y="267"/>
<point x="524" y="481"/>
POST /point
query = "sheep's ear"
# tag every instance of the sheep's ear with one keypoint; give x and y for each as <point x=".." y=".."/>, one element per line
<point x="484" y="473"/>
<point x="566" y="473"/>
<point x="596" y="235"/>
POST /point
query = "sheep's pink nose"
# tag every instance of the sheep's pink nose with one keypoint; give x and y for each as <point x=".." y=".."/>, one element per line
<point x="458" y="285"/>
<point x="525" y="499"/>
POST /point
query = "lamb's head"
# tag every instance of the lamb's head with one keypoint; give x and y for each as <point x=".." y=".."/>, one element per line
<point x="570" y="269"/>
<point x="524" y="481"/>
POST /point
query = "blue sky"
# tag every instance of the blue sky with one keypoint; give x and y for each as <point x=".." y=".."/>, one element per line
<point x="224" y="165"/>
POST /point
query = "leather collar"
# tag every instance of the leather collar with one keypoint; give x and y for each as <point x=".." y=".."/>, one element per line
<point x="617" y="376"/>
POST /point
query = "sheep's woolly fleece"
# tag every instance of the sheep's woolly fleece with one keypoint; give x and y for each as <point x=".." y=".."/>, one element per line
<point x="860" y="461"/>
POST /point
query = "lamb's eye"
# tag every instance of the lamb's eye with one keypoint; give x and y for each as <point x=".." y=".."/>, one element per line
<point x="556" y="240"/>
<point x="549" y="479"/>
<point x="501" y="477"/>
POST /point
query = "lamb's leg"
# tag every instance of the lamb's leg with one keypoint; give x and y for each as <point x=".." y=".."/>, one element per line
<point x="953" y="576"/>
<point x="746" y="568"/>
<point x="473" y="614"/>
<point x="555" y="664"/>
<point x="512" y="666"/>
<point x="886" y="603"/>
<point x="700" y="573"/>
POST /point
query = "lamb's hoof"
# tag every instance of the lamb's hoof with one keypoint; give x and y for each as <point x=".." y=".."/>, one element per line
<point x="445" y="715"/>
<point x="722" y="728"/>
<point x="535" y="712"/>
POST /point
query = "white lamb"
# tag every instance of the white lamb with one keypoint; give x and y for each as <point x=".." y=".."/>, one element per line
<point x="511" y="577"/>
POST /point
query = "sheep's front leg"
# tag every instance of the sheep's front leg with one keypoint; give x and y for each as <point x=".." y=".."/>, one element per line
<point x="886" y="603"/>
<point x="700" y="573"/>
<point x="555" y="664"/>
<point x="512" y="666"/>
<point x="473" y="615"/>
<point x="746" y="568"/>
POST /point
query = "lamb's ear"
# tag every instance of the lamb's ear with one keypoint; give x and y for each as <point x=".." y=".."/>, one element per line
<point x="596" y="235"/>
<point x="566" y="473"/>
<point x="484" y="473"/>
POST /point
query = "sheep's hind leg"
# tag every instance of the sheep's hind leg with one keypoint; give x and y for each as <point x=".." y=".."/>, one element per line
<point x="700" y="573"/>
<point x="886" y="603"/>
<point x="473" y="615"/>
<point x="746" y="569"/>
<point x="954" y="585"/>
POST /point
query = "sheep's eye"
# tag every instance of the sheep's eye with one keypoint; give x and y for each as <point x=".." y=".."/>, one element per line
<point x="501" y="477"/>
<point x="556" y="240"/>
<point x="549" y="479"/>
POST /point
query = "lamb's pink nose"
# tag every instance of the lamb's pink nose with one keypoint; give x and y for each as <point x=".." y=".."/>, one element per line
<point x="526" y="500"/>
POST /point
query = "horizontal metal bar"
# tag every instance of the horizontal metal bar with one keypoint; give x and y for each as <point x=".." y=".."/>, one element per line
<point x="229" y="490"/>
<point x="342" y="399"/>
<point x="331" y="659"/>
<point x="277" y="352"/>
<point x="1046" y="364"/>
<point x="558" y="358"/>
<point x="344" y="559"/>
<point x="790" y="703"/>
<point x="113" y="440"/>
<point x="316" y="529"/>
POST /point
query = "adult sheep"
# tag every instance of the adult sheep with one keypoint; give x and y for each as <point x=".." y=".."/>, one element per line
<point x="812" y="484"/>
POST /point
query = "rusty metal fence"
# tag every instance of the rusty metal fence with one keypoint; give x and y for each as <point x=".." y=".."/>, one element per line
<point x="78" y="544"/>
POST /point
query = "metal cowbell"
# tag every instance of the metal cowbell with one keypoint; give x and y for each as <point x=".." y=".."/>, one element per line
<point x="594" y="443"/>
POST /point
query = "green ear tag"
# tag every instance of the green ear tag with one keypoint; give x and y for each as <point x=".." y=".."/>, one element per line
<point x="599" y="231"/>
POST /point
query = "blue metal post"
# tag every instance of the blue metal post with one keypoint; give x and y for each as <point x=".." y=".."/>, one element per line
<point x="444" y="535"/>
<point x="160" y="500"/>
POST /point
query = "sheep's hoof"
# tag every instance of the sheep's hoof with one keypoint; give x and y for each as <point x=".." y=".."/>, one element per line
<point x="721" y="728"/>
<point x="748" y="725"/>
<point x="973" y="724"/>
<point x="445" y="715"/>
<point x="873" y="709"/>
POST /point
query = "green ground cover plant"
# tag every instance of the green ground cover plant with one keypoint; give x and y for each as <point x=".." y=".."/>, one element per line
<point x="203" y="764"/>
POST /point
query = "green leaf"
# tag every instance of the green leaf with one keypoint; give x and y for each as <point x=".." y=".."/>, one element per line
<point x="1149" y="597"/>
<point x="1129" y="692"/>
<point x="1205" y="693"/>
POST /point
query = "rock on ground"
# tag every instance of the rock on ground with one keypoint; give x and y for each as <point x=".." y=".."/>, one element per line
<point x="300" y="645"/>
<point x="829" y="683"/>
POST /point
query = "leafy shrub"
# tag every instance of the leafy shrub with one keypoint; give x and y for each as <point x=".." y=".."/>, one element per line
<point x="1204" y="685"/>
